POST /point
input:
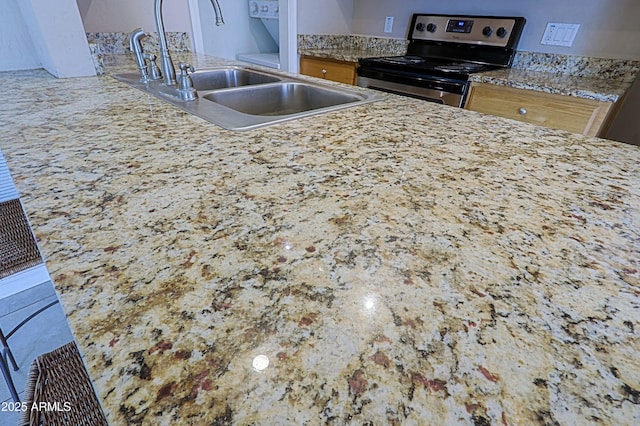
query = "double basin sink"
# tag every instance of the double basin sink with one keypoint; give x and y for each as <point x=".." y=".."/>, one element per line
<point x="243" y="98"/>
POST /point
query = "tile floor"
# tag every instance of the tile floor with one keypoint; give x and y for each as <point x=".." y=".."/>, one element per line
<point x="42" y="334"/>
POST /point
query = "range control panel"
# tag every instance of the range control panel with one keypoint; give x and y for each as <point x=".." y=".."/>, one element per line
<point x="487" y="31"/>
<point x="265" y="9"/>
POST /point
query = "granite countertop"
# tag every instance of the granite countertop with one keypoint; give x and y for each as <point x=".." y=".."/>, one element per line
<point x="399" y="262"/>
<point x="605" y="87"/>
<point x="342" y="54"/>
<point x="599" y="89"/>
<point x="349" y="48"/>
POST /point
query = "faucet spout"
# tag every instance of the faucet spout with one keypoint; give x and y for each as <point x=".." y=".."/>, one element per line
<point x="217" y="10"/>
<point x="168" y="71"/>
<point x="136" y="48"/>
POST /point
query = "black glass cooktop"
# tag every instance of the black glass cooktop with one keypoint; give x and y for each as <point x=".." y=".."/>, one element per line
<point x="428" y="66"/>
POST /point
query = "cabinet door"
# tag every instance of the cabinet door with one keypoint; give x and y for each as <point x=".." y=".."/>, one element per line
<point x="555" y="111"/>
<point x="342" y="72"/>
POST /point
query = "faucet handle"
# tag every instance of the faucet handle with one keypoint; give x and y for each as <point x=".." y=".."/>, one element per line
<point x="185" y="68"/>
<point x="186" y="91"/>
<point x="154" y="71"/>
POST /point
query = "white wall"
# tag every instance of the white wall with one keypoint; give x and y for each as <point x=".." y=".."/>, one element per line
<point x="58" y="36"/>
<point x="126" y="15"/>
<point x="45" y="34"/>
<point x="17" y="51"/>
<point x="609" y="28"/>
<point x="326" y="16"/>
<point x="243" y="34"/>
<point x="239" y="34"/>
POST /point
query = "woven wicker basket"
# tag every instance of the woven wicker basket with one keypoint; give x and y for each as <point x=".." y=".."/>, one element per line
<point x="59" y="391"/>
<point x="18" y="248"/>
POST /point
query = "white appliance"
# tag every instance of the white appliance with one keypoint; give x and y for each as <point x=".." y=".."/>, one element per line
<point x="268" y="13"/>
<point x="247" y="36"/>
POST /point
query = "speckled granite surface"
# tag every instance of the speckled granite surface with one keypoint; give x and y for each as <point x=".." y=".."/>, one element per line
<point x="118" y="42"/>
<point x="400" y="262"/>
<point x="584" y="77"/>
<point x="97" y="55"/>
<point x="599" y="79"/>
<point x="577" y="66"/>
<point x="599" y="89"/>
<point x="347" y="54"/>
<point x="349" y="48"/>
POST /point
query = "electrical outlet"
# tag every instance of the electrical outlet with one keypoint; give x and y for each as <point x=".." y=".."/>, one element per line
<point x="559" y="34"/>
<point x="388" y="24"/>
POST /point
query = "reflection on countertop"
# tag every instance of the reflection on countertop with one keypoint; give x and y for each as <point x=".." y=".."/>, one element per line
<point x="400" y="262"/>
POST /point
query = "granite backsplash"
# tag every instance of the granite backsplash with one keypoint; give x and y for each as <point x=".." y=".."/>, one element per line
<point x="118" y="43"/>
<point x="386" y="46"/>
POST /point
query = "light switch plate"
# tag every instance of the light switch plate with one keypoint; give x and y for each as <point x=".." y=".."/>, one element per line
<point x="560" y="34"/>
<point x="388" y="24"/>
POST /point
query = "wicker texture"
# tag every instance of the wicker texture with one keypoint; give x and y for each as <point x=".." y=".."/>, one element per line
<point x="59" y="391"/>
<point x="18" y="248"/>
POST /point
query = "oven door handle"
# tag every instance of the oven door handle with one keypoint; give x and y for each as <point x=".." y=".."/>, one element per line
<point x="427" y="94"/>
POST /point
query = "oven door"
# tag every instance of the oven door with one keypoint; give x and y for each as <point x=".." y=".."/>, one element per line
<point x="428" y="88"/>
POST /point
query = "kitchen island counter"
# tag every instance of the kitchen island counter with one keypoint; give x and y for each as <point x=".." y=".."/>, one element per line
<point x="399" y="262"/>
<point x="609" y="89"/>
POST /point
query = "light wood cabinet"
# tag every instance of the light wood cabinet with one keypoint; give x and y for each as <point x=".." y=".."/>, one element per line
<point x="340" y="71"/>
<point x="577" y="115"/>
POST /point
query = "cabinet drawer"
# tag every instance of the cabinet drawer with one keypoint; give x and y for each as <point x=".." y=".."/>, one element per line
<point x="555" y="111"/>
<point x="342" y="72"/>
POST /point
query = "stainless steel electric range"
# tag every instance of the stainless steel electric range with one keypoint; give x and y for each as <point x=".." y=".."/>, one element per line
<point x="443" y="51"/>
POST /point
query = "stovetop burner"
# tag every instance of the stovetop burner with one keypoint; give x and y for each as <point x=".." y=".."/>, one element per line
<point x="402" y="60"/>
<point x="449" y="68"/>
<point x="461" y="67"/>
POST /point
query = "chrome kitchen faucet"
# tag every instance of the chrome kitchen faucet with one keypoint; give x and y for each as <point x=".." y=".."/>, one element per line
<point x="146" y="74"/>
<point x="184" y="90"/>
<point x="167" y="64"/>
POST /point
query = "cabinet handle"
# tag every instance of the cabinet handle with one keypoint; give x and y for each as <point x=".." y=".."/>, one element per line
<point x="324" y="71"/>
<point x="522" y="111"/>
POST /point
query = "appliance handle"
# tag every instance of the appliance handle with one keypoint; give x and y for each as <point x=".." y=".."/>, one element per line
<point x="427" y="94"/>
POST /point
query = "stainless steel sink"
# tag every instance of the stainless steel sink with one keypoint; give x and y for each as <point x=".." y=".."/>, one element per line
<point x="242" y="98"/>
<point x="281" y="99"/>
<point x="212" y="79"/>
